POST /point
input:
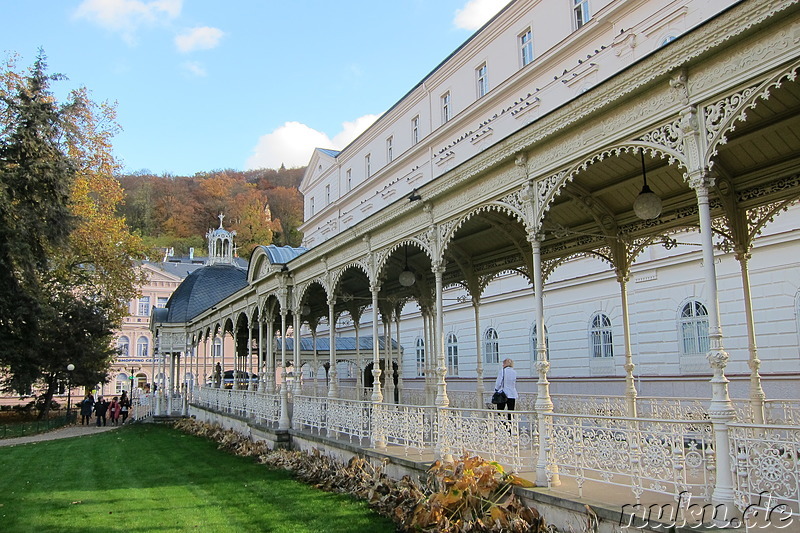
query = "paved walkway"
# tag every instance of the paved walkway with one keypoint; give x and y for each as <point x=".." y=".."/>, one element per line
<point x="60" y="433"/>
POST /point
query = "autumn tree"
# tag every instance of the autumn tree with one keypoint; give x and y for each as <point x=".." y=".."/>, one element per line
<point x="69" y="258"/>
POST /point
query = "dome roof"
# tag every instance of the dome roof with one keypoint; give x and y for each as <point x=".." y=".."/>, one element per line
<point x="202" y="289"/>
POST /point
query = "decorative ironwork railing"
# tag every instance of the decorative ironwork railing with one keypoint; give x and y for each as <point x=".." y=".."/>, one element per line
<point x="661" y="456"/>
<point x="589" y="405"/>
<point x="263" y="408"/>
<point x="509" y="437"/>
<point x="766" y="463"/>
<point x="411" y="427"/>
<point x="142" y="407"/>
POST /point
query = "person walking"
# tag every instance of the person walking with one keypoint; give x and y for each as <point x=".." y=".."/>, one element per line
<point x="87" y="406"/>
<point x="124" y="405"/>
<point x="507" y="382"/>
<point x="100" y="410"/>
<point x="114" y="410"/>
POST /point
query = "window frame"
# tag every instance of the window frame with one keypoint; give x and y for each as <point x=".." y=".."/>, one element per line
<point x="491" y="346"/>
<point x="142" y="346"/>
<point x="327" y="194"/>
<point x="389" y="149"/>
<point x="216" y="348"/>
<point x="601" y="336"/>
<point x="581" y="14"/>
<point x="526" y="47"/>
<point x="419" y="351"/>
<point x="349" y="179"/>
<point x="446" y="101"/>
<point x="482" y="80"/>
<point x="368" y="165"/>
<point x="124" y="342"/>
<point x="693" y="328"/>
<point x="415" y="130"/>
<point x="143" y="305"/>
<point x="451" y="346"/>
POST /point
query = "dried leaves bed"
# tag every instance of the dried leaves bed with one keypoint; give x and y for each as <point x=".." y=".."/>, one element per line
<point x="470" y="494"/>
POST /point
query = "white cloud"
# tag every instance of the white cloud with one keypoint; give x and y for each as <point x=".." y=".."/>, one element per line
<point x="202" y="38"/>
<point x="195" y="68"/>
<point x="476" y="13"/>
<point x="126" y="16"/>
<point x="293" y="143"/>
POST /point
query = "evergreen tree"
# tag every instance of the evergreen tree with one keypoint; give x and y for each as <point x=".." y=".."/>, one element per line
<point x="35" y="178"/>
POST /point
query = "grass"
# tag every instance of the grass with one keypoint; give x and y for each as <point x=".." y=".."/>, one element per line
<point x="144" y="478"/>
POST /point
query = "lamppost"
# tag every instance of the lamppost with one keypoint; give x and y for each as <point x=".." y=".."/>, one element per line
<point x="70" y="368"/>
<point x="133" y="370"/>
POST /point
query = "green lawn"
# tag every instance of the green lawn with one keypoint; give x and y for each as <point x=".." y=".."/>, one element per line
<point x="144" y="478"/>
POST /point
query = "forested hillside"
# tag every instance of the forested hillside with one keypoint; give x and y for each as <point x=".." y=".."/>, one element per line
<point x="263" y="206"/>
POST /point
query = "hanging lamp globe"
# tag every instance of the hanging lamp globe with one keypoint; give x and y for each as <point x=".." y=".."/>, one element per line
<point x="407" y="278"/>
<point x="647" y="205"/>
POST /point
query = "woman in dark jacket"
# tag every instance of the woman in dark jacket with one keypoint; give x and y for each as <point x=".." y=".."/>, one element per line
<point x="87" y="406"/>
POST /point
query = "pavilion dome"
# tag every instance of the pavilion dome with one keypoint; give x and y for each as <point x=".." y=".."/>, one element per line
<point x="202" y="289"/>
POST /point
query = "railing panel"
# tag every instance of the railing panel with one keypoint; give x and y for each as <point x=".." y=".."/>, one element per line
<point x="409" y="426"/>
<point x="142" y="406"/>
<point x="662" y="456"/>
<point x="508" y="437"/>
<point x="310" y="412"/>
<point x="590" y="405"/>
<point x="350" y="418"/>
<point x="766" y="461"/>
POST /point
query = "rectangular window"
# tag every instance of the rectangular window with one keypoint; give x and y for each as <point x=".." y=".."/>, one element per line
<point x="144" y="306"/>
<point x="161" y="303"/>
<point x="349" y="179"/>
<point x="367" y="165"/>
<point x="482" y="78"/>
<point x="327" y="194"/>
<point x="415" y="130"/>
<point x="311" y="206"/>
<point x="389" y="154"/>
<point x="446" y="107"/>
<point x="581" y="11"/>
<point x="526" y="47"/>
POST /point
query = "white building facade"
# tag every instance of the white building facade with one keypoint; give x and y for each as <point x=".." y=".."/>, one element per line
<point x="622" y="176"/>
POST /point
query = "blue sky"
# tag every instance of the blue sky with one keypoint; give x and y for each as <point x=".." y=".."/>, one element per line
<point x="203" y="85"/>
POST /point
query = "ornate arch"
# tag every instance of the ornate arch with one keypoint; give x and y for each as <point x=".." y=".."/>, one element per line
<point x="385" y="254"/>
<point x="548" y="188"/>
<point x="721" y="117"/>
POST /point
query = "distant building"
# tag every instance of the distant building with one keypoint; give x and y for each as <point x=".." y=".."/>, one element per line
<point x="133" y="369"/>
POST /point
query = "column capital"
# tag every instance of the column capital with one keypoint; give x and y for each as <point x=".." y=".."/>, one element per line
<point x="701" y="181"/>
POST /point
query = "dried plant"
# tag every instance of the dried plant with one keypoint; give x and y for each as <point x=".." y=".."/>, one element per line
<point x="470" y="494"/>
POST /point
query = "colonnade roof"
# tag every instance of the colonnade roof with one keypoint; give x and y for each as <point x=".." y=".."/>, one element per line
<point x="202" y="289"/>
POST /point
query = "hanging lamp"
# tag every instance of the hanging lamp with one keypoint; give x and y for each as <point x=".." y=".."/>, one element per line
<point x="407" y="278"/>
<point x="647" y="205"/>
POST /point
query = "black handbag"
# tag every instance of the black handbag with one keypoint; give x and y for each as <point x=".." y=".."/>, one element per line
<point x="499" y="396"/>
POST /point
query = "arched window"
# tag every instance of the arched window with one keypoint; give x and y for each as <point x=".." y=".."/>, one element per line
<point x="123" y="346"/>
<point x="121" y="383"/>
<point x="142" y="346"/>
<point x="216" y="349"/>
<point x="452" y="354"/>
<point x="694" y="328"/>
<point x="600" y="339"/>
<point x="491" y="347"/>
<point x="420" y="351"/>
<point x="534" y="340"/>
